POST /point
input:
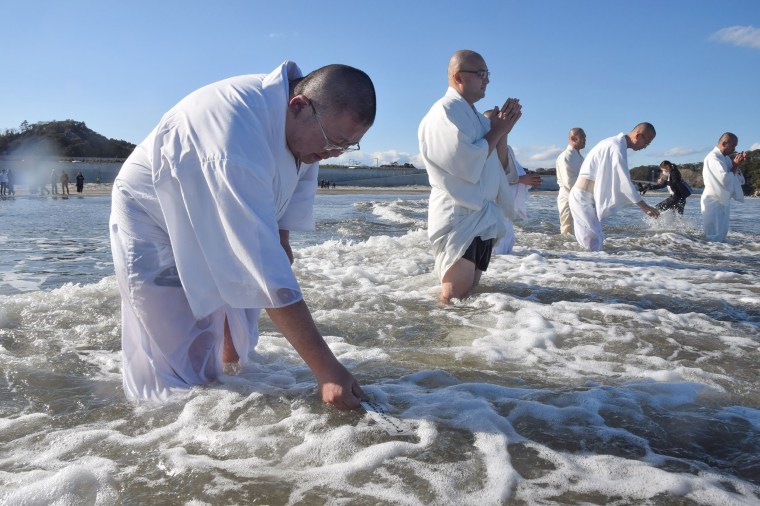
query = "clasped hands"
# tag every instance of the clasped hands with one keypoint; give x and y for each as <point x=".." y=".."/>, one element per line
<point x="504" y="118"/>
<point x="738" y="159"/>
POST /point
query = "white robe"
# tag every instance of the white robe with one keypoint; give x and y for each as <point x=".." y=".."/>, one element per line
<point x="721" y="185"/>
<point x="470" y="194"/>
<point x="568" y="166"/>
<point x="519" y="191"/>
<point x="195" y="222"/>
<point x="606" y="165"/>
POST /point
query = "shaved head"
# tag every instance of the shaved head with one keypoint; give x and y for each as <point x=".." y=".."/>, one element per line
<point x="644" y="128"/>
<point x="468" y="75"/>
<point x="577" y="138"/>
<point x="641" y="136"/>
<point x="337" y="89"/>
<point x="463" y="58"/>
<point x="727" y="143"/>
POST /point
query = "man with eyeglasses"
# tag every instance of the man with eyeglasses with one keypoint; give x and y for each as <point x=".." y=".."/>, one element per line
<point x="201" y="216"/>
<point x="604" y="185"/>
<point x="470" y="194"/>
<point x="723" y="179"/>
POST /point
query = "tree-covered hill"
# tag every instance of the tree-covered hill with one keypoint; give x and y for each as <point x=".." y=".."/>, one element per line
<point x="67" y="138"/>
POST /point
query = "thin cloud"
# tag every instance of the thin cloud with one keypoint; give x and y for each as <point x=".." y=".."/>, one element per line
<point x="682" y="151"/>
<point x="747" y="36"/>
<point x="754" y="146"/>
<point x="541" y="154"/>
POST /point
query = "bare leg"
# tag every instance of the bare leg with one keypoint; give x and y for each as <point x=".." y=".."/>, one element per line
<point x="229" y="353"/>
<point x="459" y="280"/>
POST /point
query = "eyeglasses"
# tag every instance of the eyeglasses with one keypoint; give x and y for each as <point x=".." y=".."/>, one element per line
<point x="482" y="73"/>
<point x="330" y="145"/>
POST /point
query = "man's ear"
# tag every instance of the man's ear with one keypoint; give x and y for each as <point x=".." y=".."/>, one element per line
<point x="297" y="104"/>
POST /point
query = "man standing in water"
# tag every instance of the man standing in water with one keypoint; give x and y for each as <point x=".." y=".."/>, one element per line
<point x="200" y="222"/>
<point x="568" y="166"/>
<point x="470" y="193"/>
<point x="604" y="185"/>
<point x="723" y="181"/>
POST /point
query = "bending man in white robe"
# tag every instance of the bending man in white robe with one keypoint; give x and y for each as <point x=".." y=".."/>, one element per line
<point x="470" y="194"/>
<point x="200" y="223"/>
<point x="568" y="166"/>
<point x="604" y="185"/>
<point x="723" y="181"/>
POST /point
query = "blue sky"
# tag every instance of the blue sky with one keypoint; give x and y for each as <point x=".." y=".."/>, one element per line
<point x="692" y="68"/>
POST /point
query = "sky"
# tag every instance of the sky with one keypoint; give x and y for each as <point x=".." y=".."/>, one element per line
<point x="690" y="67"/>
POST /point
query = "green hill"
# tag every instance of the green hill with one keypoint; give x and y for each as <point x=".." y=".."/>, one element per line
<point x="64" y="139"/>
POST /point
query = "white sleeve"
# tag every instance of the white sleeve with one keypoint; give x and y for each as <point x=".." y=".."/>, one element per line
<point x="220" y="217"/>
<point x="299" y="215"/>
<point x="563" y="171"/>
<point x="718" y="171"/>
<point x="446" y="143"/>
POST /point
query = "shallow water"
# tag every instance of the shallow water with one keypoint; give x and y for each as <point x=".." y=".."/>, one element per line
<point x="623" y="377"/>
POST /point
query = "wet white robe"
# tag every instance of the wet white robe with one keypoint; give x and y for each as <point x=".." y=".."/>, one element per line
<point x="568" y="166"/>
<point x="196" y="214"/>
<point x="520" y="202"/>
<point x="606" y="165"/>
<point x="470" y="194"/>
<point x="721" y="185"/>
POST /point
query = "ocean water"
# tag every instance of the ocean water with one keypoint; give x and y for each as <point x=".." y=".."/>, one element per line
<point x="630" y="376"/>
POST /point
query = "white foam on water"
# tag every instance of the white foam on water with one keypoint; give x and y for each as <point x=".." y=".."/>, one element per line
<point x="412" y="213"/>
<point x="626" y="376"/>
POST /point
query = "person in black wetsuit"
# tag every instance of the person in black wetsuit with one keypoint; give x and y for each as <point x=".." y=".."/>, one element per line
<point x="678" y="188"/>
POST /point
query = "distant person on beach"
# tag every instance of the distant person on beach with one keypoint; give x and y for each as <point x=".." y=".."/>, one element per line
<point x="723" y="179"/>
<point x="679" y="190"/>
<point x="604" y="185"/>
<point x="80" y="182"/>
<point x="64" y="183"/>
<point x="3" y="183"/>
<point x="568" y="166"/>
<point x="200" y="234"/>
<point x="520" y="182"/>
<point x="11" y="182"/>
<point x="53" y="182"/>
<point x="470" y="194"/>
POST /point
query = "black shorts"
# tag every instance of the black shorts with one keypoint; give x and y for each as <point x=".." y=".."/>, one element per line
<point x="479" y="253"/>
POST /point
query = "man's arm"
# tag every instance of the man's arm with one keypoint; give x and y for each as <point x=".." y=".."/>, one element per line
<point x="563" y="171"/>
<point x="649" y="210"/>
<point x="285" y="242"/>
<point x="336" y="385"/>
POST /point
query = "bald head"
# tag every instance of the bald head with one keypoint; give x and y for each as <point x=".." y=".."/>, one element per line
<point x="464" y="59"/>
<point x="727" y="143"/>
<point x="468" y="75"/>
<point x="577" y="138"/>
<point x="339" y="89"/>
<point x="644" y="128"/>
<point x="728" y="136"/>
<point x="641" y="136"/>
